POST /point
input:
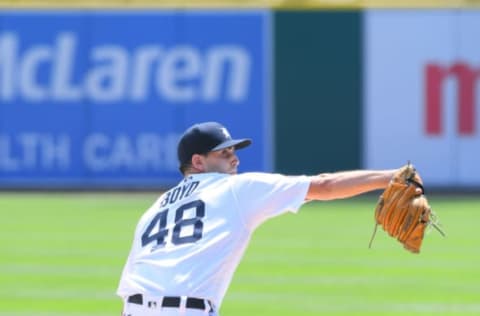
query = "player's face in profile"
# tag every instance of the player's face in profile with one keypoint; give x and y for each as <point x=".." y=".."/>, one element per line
<point x="223" y="161"/>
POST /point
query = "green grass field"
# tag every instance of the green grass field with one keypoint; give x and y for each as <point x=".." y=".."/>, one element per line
<point x="62" y="255"/>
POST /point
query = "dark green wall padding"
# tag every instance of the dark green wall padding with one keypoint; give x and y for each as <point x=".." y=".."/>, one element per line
<point x="317" y="91"/>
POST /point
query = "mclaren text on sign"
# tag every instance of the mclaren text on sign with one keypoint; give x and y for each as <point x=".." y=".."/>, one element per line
<point x="179" y="73"/>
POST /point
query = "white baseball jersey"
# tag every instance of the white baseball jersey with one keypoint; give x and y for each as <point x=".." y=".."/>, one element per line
<point x="191" y="240"/>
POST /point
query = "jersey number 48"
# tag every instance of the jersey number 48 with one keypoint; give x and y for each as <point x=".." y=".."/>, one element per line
<point x="157" y="232"/>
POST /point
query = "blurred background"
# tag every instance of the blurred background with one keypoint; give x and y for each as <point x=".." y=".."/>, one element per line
<point x="95" y="95"/>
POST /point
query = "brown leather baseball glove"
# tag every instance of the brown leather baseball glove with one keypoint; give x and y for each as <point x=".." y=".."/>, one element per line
<point x="403" y="210"/>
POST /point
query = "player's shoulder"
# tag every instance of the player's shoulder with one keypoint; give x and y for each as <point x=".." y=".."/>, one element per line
<point x="268" y="179"/>
<point x="254" y="175"/>
<point x="257" y="177"/>
<point x="246" y="178"/>
<point x="214" y="178"/>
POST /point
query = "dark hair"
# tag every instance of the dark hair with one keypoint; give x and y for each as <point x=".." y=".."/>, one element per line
<point x="184" y="167"/>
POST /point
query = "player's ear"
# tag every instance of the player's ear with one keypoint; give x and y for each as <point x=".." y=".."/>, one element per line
<point x="198" y="162"/>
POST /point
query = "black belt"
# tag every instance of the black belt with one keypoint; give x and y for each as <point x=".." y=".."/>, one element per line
<point x="173" y="301"/>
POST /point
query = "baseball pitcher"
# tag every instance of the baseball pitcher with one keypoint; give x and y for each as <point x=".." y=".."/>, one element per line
<point x="188" y="244"/>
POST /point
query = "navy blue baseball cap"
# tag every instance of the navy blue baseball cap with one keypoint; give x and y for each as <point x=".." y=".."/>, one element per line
<point x="206" y="137"/>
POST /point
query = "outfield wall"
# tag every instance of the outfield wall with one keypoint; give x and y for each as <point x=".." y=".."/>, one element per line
<point x="421" y="93"/>
<point x="388" y="86"/>
<point x="318" y="97"/>
<point x="98" y="97"/>
<point x="242" y="4"/>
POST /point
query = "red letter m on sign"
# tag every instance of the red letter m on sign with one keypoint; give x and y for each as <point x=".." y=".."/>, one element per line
<point x="466" y="78"/>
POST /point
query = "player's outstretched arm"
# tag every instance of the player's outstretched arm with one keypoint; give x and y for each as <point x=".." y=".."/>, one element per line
<point x="345" y="184"/>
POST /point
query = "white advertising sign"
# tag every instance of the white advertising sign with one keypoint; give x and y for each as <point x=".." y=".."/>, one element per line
<point x="422" y="93"/>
